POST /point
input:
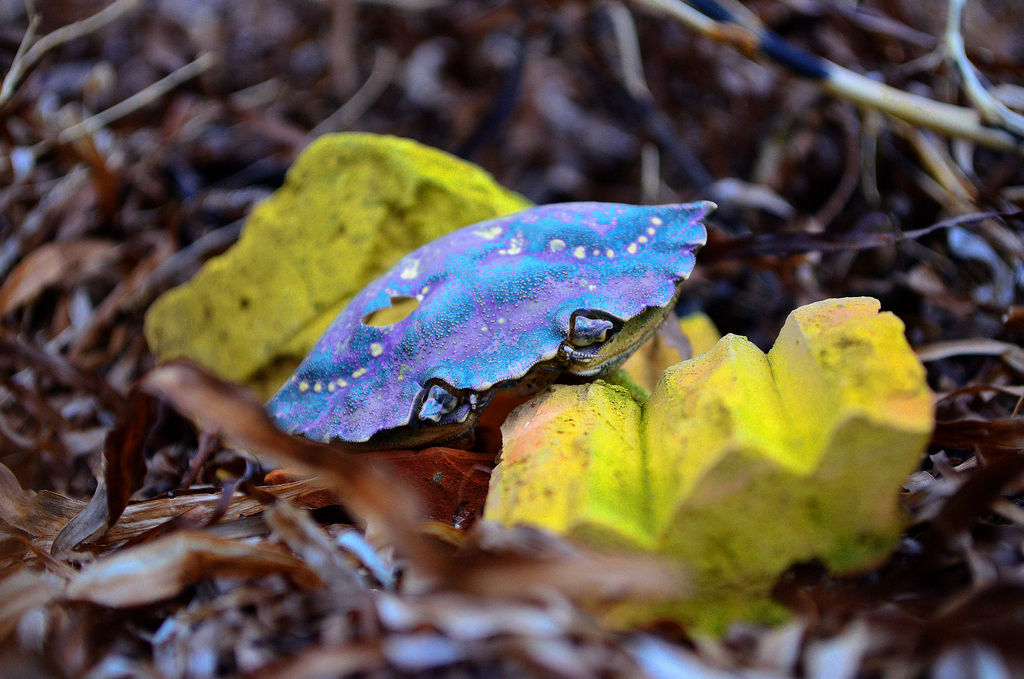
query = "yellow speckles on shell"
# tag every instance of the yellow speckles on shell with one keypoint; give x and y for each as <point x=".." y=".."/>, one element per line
<point x="580" y="252"/>
<point x="317" y="387"/>
<point x="359" y="373"/>
<point x="656" y="221"/>
<point x="501" y="321"/>
<point x="411" y="269"/>
<point x="488" y="234"/>
<point x="341" y="383"/>
<point x="303" y="386"/>
<point x="596" y="252"/>
<point x="631" y="248"/>
<point x="642" y="239"/>
<point x="556" y="245"/>
<point x="650" y="230"/>
<point x="331" y="387"/>
<point x="376" y="349"/>
<point x="609" y="253"/>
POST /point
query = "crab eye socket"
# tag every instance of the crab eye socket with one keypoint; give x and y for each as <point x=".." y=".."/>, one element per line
<point x="437" y="403"/>
<point x="587" y="331"/>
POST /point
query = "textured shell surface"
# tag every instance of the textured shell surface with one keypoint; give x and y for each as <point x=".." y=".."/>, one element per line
<point x="495" y="300"/>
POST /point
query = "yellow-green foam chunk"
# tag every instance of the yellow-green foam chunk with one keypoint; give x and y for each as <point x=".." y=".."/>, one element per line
<point x="566" y="470"/>
<point x="351" y="206"/>
<point x="645" y="366"/>
<point x="750" y="462"/>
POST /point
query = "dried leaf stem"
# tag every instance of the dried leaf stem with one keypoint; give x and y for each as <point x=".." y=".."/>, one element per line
<point x="27" y="56"/>
<point x="141" y="98"/>
<point x="745" y="34"/>
<point x="992" y="111"/>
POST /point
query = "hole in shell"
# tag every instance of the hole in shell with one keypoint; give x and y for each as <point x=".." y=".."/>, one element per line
<point x="399" y="310"/>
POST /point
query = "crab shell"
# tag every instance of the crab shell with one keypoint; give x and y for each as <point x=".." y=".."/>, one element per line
<point x="506" y="303"/>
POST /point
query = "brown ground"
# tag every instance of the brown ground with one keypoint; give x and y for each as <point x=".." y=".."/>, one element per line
<point x="96" y="220"/>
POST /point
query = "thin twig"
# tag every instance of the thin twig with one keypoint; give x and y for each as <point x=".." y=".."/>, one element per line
<point x="140" y="99"/>
<point x="992" y="111"/>
<point x="384" y="65"/>
<point x="948" y="119"/>
<point x="631" y="67"/>
<point x="650" y="174"/>
<point x="628" y="66"/>
<point x="18" y="65"/>
<point x="957" y="189"/>
<point x="28" y="58"/>
<point x="631" y="73"/>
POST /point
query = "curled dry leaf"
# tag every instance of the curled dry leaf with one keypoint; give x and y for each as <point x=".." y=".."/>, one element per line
<point x="164" y="567"/>
<point x="304" y="537"/>
<point x="1011" y="354"/>
<point x="40" y="516"/>
<point x="15" y="503"/>
<point x="233" y="413"/>
<point x="389" y="507"/>
<point x="123" y="471"/>
<point x="22" y="353"/>
<point x="451" y="483"/>
<point x="141" y="518"/>
<point x="51" y="264"/>
<point x="23" y="591"/>
<point x="976" y="495"/>
<point x="525" y="562"/>
<point x="329" y="661"/>
<point x="991" y="436"/>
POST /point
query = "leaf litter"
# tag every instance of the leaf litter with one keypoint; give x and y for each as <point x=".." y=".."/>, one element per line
<point x="234" y="579"/>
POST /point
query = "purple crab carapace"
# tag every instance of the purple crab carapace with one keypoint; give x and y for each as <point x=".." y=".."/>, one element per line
<point x="513" y="303"/>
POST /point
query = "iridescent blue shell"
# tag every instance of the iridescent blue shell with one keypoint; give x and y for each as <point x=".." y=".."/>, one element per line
<point x="505" y="303"/>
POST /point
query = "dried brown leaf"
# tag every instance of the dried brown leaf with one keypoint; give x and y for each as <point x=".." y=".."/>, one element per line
<point x="452" y="483"/>
<point x="234" y="414"/>
<point x="1011" y="354"/>
<point x="988" y="436"/>
<point x="305" y="538"/>
<point x="163" y="568"/>
<point x="327" y="662"/>
<point x="526" y="562"/>
<point x="15" y="503"/>
<point x="124" y="469"/>
<point x="42" y="515"/>
<point x="23" y="591"/>
<point x="50" y="264"/>
<point x="17" y="351"/>
<point x="141" y="517"/>
<point x="974" y="497"/>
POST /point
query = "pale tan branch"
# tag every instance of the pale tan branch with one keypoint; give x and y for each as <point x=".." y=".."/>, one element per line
<point x="140" y="99"/>
<point x="948" y="119"/>
<point x="26" y="59"/>
<point x="992" y="111"/>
